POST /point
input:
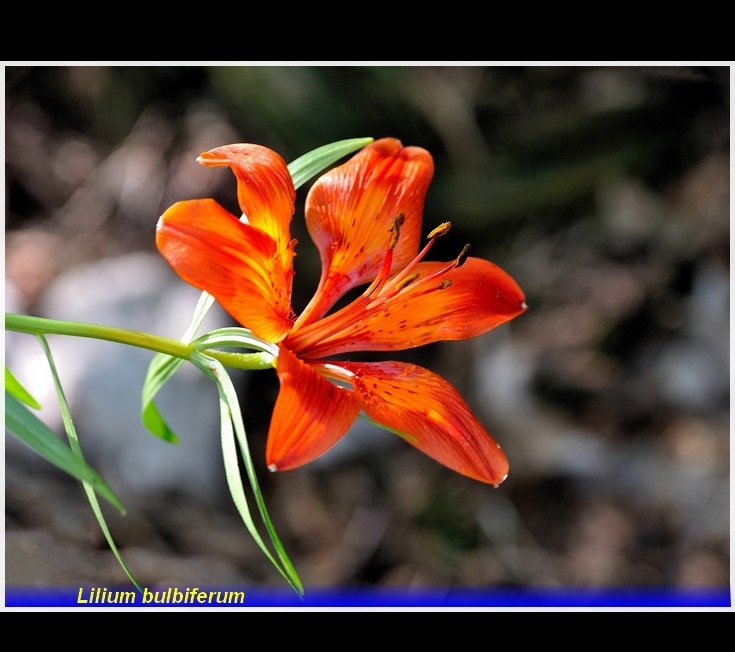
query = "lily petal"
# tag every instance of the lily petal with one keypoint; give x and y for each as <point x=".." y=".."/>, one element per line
<point x="265" y="190"/>
<point x="350" y="211"/>
<point x="311" y="414"/>
<point x="431" y="415"/>
<point x="460" y="303"/>
<point x="236" y="263"/>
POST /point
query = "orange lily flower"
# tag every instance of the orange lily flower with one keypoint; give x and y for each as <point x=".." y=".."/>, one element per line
<point x="365" y="218"/>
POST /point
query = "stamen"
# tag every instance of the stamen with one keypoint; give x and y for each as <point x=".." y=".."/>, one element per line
<point x="457" y="262"/>
<point x="398" y="280"/>
<point x="406" y="281"/>
<point x="379" y="281"/>
<point x="462" y="258"/>
<point x="440" y="230"/>
<point x="395" y="229"/>
<point x="379" y="292"/>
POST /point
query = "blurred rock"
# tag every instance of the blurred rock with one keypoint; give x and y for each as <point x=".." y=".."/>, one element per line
<point x="103" y="380"/>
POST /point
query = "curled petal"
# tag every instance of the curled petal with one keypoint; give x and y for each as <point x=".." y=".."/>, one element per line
<point x="350" y="211"/>
<point x="265" y="189"/>
<point x="431" y="415"/>
<point x="236" y="263"/>
<point x="311" y="414"/>
<point x="460" y="303"/>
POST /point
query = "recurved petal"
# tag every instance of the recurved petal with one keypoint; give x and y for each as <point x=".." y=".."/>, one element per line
<point x="311" y="414"/>
<point x="429" y="413"/>
<point x="265" y="189"/>
<point x="236" y="263"/>
<point x="463" y="302"/>
<point x="351" y="208"/>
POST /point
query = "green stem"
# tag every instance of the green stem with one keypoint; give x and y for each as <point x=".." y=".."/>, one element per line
<point x="169" y="346"/>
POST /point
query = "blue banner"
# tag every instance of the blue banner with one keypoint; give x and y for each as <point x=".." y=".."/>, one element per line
<point x="239" y="597"/>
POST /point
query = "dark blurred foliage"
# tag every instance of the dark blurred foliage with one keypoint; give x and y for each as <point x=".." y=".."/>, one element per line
<point x="604" y="190"/>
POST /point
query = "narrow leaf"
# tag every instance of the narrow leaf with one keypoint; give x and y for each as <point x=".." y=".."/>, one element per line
<point x="312" y="163"/>
<point x="28" y="428"/>
<point x="206" y="301"/>
<point x="161" y="368"/>
<point x="13" y="385"/>
<point x="76" y="448"/>
<point x="231" y="417"/>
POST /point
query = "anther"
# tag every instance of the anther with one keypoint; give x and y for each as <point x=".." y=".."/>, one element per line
<point x="462" y="258"/>
<point x="440" y="230"/>
<point x="395" y="229"/>
<point x="406" y="281"/>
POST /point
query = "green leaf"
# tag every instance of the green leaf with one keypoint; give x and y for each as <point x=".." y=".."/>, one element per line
<point x="232" y="430"/>
<point x="312" y="163"/>
<point x="206" y="301"/>
<point x="76" y="449"/>
<point x="28" y="428"/>
<point x="161" y="368"/>
<point x="233" y="336"/>
<point x="12" y="385"/>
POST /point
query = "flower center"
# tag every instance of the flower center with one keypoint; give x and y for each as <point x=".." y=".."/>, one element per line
<point x="388" y="288"/>
<point x="320" y="338"/>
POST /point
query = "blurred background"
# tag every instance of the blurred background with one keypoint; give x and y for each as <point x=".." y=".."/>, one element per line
<point x="604" y="191"/>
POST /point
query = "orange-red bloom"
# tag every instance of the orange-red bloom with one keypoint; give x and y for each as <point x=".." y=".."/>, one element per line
<point x="365" y="219"/>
